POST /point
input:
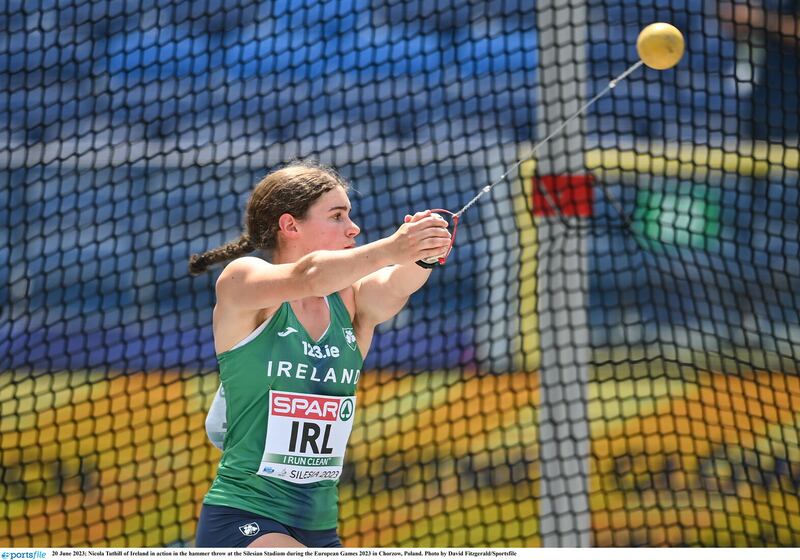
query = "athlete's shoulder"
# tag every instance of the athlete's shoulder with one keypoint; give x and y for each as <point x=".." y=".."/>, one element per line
<point x="252" y="283"/>
<point x="233" y="321"/>
<point x="245" y="263"/>
<point x="240" y="267"/>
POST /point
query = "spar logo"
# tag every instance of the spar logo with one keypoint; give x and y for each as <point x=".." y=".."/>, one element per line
<point x="305" y="407"/>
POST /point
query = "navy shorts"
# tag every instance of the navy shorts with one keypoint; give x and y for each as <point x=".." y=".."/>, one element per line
<point x="226" y="527"/>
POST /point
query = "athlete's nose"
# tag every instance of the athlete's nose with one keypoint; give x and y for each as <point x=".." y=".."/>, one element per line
<point x="353" y="230"/>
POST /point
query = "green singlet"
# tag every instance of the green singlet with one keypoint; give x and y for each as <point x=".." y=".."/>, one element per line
<point x="290" y="407"/>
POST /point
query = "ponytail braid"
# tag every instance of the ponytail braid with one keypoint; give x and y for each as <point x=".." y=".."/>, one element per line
<point x="201" y="263"/>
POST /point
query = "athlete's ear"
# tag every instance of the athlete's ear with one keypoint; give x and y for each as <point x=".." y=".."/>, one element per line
<point x="288" y="225"/>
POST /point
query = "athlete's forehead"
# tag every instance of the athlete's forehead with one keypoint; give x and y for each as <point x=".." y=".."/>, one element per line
<point x="334" y="199"/>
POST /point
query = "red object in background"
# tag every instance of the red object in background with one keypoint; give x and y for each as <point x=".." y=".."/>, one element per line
<point x="572" y="195"/>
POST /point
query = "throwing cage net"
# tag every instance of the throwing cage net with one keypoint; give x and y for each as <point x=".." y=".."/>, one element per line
<point x="609" y="356"/>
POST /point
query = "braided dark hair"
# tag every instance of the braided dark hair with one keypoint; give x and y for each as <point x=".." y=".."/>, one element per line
<point x="289" y="190"/>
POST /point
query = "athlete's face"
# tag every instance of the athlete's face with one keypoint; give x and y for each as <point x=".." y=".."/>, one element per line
<point x="327" y="224"/>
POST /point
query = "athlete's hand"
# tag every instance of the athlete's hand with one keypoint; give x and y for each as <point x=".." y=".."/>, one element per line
<point x="422" y="236"/>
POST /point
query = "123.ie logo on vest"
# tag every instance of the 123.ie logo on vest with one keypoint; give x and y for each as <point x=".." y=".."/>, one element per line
<point x="320" y="352"/>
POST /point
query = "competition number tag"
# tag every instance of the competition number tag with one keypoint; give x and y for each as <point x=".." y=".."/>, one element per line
<point x="306" y="436"/>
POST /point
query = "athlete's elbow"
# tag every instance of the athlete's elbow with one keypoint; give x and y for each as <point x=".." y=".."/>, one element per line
<point x="309" y="274"/>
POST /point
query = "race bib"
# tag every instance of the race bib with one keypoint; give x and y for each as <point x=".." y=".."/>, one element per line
<point x="306" y="436"/>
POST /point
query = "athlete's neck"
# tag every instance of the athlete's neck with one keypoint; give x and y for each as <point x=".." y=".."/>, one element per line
<point x="284" y="257"/>
<point x="288" y="251"/>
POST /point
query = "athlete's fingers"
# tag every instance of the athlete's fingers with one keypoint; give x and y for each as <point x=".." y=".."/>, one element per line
<point x="432" y="254"/>
<point x="423" y="233"/>
<point x="419" y="216"/>
<point x="441" y="218"/>
<point x="434" y="243"/>
<point x="431" y="222"/>
<point x="430" y="242"/>
<point x="435" y="232"/>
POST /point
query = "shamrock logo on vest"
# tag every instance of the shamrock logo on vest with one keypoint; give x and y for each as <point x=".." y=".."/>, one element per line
<point x="350" y="338"/>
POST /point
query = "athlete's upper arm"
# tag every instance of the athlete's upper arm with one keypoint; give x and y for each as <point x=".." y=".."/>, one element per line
<point x="375" y="299"/>
<point x="252" y="283"/>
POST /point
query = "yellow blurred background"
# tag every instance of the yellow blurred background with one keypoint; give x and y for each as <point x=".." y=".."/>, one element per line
<point x="435" y="459"/>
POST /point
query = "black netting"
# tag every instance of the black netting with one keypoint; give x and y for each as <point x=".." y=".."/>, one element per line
<point x="619" y="371"/>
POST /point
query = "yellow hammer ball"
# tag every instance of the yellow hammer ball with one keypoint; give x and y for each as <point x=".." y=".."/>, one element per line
<point x="660" y="46"/>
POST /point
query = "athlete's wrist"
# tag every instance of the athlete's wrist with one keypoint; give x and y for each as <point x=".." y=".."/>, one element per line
<point x="383" y="252"/>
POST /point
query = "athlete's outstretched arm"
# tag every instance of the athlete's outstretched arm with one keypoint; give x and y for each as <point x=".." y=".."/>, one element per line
<point x="251" y="283"/>
<point x="381" y="295"/>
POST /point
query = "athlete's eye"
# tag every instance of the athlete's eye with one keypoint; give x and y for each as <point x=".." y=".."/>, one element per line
<point x="337" y="216"/>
